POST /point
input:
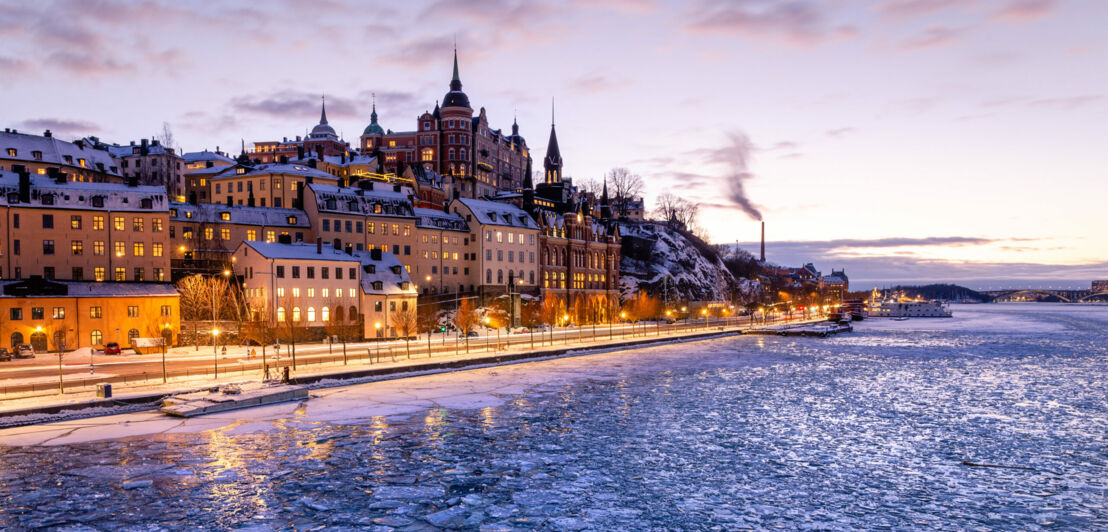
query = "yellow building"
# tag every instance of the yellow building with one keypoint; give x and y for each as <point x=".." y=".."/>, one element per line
<point x="79" y="160"/>
<point x="267" y="185"/>
<point x="69" y="314"/>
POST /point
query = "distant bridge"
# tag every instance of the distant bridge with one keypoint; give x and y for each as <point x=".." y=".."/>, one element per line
<point x="1036" y="294"/>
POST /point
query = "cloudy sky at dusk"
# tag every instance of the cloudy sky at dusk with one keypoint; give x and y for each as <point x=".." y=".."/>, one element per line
<point x="904" y="139"/>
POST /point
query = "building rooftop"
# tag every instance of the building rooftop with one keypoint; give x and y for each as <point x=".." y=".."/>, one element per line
<point x="237" y="215"/>
<point x="39" y="287"/>
<point x="382" y="200"/>
<point x="45" y="192"/>
<point x="50" y="150"/>
<point x="493" y="213"/>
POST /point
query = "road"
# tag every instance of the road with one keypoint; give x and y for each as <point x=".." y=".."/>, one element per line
<point x="81" y="368"/>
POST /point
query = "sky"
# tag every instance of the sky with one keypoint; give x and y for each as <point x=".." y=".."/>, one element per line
<point x="902" y="140"/>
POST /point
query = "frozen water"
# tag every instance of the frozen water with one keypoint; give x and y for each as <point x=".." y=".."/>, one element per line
<point x="866" y="430"/>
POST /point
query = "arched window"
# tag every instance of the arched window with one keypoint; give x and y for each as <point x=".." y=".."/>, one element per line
<point x="295" y="313"/>
<point x="338" y="314"/>
<point x="280" y="313"/>
<point x="499" y="276"/>
<point x="96" y="337"/>
<point x="324" y="314"/>
<point x="311" y="313"/>
<point x="131" y="335"/>
<point x="531" y="277"/>
<point x="17" y="338"/>
<point x="488" y="276"/>
<point x="352" y="314"/>
<point x="563" y="263"/>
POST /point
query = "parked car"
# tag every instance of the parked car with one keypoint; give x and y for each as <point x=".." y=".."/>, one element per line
<point x="24" y="351"/>
<point x="5" y="355"/>
<point x="112" y="348"/>
<point x="472" y="333"/>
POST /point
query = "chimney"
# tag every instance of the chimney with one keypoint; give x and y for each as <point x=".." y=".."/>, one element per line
<point x="396" y="188"/>
<point x="284" y="239"/>
<point x="311" y="163"/>
<point x="143" y="143"/>
<point x="349" y="249"/>
<point x="299" y="150"/>
<point x="343" y="157"/>
<point x="24" y="182"/>
<point x="375" y="254"/>
<point x="318" y="246"/>
<point x="209" y="163"/>
<point x="47" y="133"/>
<point x="79" y="143"/>
<point x="763" y="241"/>
<point x="284" y="159"/>
<point x="319" y="151"/>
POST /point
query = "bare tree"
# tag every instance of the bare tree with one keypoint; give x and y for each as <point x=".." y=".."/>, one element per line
<point x="591" y="185"/>
<point x="672" y="207"/>
<point x="531" y="317"/>
<point x="465" y="319"/>
<point x="552" y="310"/>
<point x="167" y="138"/>
<point x="291" y="321"/>
<point x="428" y="321"/>
<point x="196" y="293"/>
<point x="624" y="185"/>
<point x="337" y="325"/>
<point x="406" y="322"/>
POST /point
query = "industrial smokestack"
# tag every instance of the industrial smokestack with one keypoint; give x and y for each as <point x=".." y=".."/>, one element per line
<point x="763" y="241"/>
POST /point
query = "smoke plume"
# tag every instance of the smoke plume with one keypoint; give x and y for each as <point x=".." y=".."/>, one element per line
<point x="740" y="151"/>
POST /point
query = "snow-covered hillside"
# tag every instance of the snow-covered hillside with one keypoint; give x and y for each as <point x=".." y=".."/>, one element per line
<point x="657" y="258"/>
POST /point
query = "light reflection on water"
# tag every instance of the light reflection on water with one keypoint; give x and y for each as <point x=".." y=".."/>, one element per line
<point x="867" y="430"/>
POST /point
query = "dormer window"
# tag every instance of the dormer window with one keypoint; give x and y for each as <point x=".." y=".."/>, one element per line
<point x="371" y="268"/>
<point x="331" y="205"/>
<point x="225" y="216"/>
<point x="68" y="159"/>
<point x="240" y="171"/>
<point x="404" y="285"/>
<point x="292" y="220"/>
<point x="492" y="216"/>
<point x="81" y="162"/>
<point x="378" y="285"/>
<point x="376" y="208"/>
<point x="13" y="197"/>
<point x="12" y="152"/>
<point x="188" y="214"/>
<point x="47" y="199"/>
<point x="395" y="270"/>
<point x="98" y="201"/>
<point x="37" y="155"/>
<point x="173" y="212"/>
<point x="146" y="203"/>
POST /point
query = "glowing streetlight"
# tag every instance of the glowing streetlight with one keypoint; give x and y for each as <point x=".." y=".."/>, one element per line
<point x="226" y="273"/>
<point x="428" y="278"/>
<point x="181" y="249"/>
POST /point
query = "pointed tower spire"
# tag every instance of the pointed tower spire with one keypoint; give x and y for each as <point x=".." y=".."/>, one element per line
<point x="323" y="112"/>
<point x="456" y="81"/>
<point x="373" y="115"/>
<point x="553" y="161"/>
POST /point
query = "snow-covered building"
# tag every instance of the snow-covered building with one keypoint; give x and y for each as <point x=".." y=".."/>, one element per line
<point x="153" y="164"/>
<point x="373" y="215"/>
<point x="444" y="256"/>
<point x="505" y="243"/>
<point x="312" y="287"/>
<point x="78" y="230"/>
<point x="579" y="258"/>
<point x="204" y="235"/>
<point x="79" y="160"/>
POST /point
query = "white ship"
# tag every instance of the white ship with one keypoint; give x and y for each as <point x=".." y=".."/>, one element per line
<point x="896" y="307"/>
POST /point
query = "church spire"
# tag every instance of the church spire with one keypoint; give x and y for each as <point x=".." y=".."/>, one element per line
<point x="456" y="82"/>
<point x="323" y="112"/>
<point x="553" y="161"/>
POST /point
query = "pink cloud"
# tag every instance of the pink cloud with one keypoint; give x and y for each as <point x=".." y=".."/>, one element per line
<point x="1024" y="10"/>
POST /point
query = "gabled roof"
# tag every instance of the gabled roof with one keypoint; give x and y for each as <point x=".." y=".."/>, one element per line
<point x="502" y="214"/>
<point x="205" y="155"/>
<point x="433" y="218"/>
<point x="81" y="194"/>
<point x="277" y="250"/>
<point x="352" y="200"/>
<point x="54" y="151"/>
<point x="238" y="215"/>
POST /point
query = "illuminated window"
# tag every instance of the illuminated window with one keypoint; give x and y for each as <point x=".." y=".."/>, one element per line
<point x="251" y="235"/>
<point x="97" y="223"/>
<point x="295" y="313"/>
<point x="139" y="249"/>
<point x="295" y="292"/>
<point x="311" y="313"/>
<point x="280" y="292"/>
<point x="225" y="216"/>
<point x="280" y="313"/>
<point x="392" y="143"/>
<point x="96" y="337"/>
<point x="77" y="247"/>
<point x="225" y="234"/>
<point x="137" y="224"/>
<point x="428" y="155"/>
<point x="98" y="273"/>
<point x="121" y="274"/>
<point x="120" y="223"/>
<point x="156" y="249"/>
<point x="208" y="233"/>
<point x="324" y="313"/>
<point x="270" y="236"/>
<point x="120" y="249"/>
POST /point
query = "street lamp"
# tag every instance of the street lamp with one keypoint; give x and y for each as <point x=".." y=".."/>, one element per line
<point x="165" y="377"/>
<point x="377" y="334"/>
<point x="215" y="356"/>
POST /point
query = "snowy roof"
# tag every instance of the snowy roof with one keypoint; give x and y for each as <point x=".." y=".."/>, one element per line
<point x="54" y="151"/>
<point x="388" y="271"/>
<point x="352" y="160"/>
<point x="277" y="250"/>
<point x="493" y="213"/>
<point x="135" y="150"/>
<point x="440" y="220"/>
<point x="81" y="194"/>
<point x="238" y="214"/>
<point x="210" y="171"/>
<point x="102" y="289"/>
<point x="279" y="168"/>
<point x="353" y="200"/>
<point x="198" y="156"/>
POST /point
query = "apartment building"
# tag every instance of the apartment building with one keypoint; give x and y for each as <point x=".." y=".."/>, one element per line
<point x="206" y="234"/>
<point x="151" y="163"/>
<point x="266" y="185"/>
<point x="445" y="261"/>
<point x="311" y="285"/>
<point x="79" y="160"/>
<point x="506" y="243"/>
<point x="373" y="215"/>
<point x="57" y="228"/>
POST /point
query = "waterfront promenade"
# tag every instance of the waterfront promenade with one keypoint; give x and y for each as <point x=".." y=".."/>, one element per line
<point x="35" y="383"/>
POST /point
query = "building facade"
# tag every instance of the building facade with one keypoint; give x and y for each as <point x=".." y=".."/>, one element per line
<point x="80" y="231"/>
<point x="78" y="160"/>
<point x="579" y="258"/>
<point x="505" y="241"/>
<point x="151" y="163"/>
<point x="205" y="235"/>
